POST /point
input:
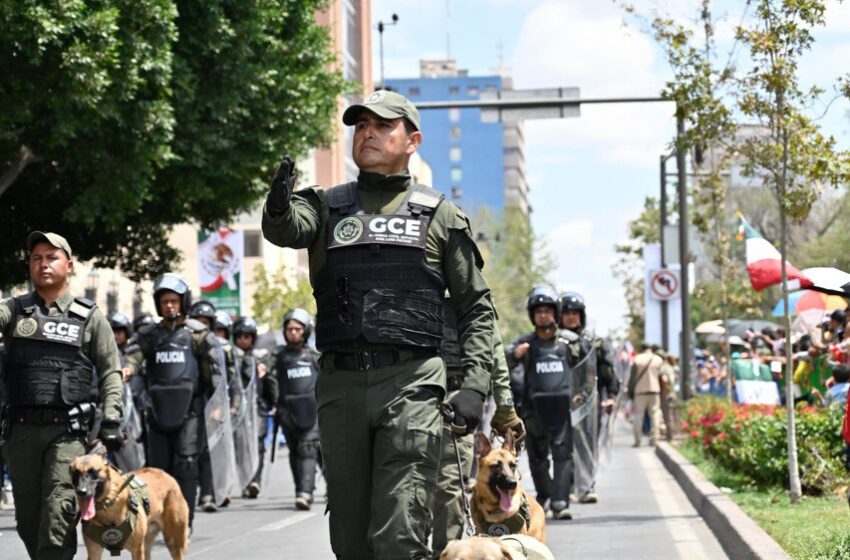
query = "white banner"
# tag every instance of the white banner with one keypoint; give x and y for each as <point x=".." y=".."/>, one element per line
<point x="757" y="392"/>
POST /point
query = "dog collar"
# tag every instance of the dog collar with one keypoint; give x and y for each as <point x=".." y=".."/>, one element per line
<point x="512" y="525"/>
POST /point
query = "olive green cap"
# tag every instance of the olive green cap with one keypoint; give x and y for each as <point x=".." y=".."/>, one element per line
<point x="387" y="105"/>
<point x="53" y="238"/>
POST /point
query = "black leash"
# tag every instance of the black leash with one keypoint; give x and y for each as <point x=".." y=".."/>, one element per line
<point x="457" y="431"/>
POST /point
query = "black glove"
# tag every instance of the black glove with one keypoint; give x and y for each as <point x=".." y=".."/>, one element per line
<point x="468" y="406"/>
<point x="283" y="184"/>
<point x="111" y="436"/>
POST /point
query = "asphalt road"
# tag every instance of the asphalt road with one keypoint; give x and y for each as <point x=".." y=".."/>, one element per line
<point x="642" y="514"/>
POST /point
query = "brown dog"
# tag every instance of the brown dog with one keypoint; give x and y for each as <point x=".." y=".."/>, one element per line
<point x="499" y="504"/>
<point x="128" y="511"/>
<point x="511" y="547"/>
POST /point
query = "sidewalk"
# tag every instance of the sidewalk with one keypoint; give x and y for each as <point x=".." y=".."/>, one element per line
<point x="642" y="513"/>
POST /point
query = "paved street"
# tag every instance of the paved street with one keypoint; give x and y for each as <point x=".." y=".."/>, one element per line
<point x="642" y="514"/>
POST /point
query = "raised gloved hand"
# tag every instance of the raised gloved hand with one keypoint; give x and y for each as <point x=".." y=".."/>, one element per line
<point x="110" y="435"/>
<point x="468" y="406"/>
<point x="283" y="185"/>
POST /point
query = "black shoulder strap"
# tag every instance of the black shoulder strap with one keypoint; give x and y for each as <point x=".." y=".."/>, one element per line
<point x="82" y="307"/>
<point x="423" y="200"/>
<point x="25" y="304"/>
<point x="343" y="198"/>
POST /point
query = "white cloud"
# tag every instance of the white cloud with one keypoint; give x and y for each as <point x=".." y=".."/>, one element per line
<point x="570" y="234"/>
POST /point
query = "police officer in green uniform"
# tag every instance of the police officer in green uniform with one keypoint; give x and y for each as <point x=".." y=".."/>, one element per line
<point x="382" y="253"/>
<point x="54" y="345"/>
<point x="449" y="515"/>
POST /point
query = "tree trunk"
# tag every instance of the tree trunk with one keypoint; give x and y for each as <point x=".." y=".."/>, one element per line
<point x="793" y="469"/>
<point x="25" y="157"/>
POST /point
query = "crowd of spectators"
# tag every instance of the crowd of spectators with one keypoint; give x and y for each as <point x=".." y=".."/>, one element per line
<point x="821" y="361"/>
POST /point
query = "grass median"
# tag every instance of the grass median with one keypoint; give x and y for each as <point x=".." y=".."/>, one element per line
<point x="818" y="528"/>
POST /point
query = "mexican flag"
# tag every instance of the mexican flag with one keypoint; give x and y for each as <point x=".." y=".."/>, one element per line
<point x="764" y="262"/>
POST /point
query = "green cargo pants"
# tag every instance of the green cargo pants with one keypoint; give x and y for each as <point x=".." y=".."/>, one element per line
<point x="448" y="507"/>
<point x="45" y="506"/>
<point x="380" y="435"/>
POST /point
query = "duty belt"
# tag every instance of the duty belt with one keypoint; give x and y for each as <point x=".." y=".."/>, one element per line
<point x="39" y="415"/>
<point x="373" y="359"/>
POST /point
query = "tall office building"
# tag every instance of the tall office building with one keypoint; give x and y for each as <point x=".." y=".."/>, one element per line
<point x="476" y="164"/>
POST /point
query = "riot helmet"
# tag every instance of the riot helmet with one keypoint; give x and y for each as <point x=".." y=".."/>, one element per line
<point x="223" y="321"/>
<point x="303" y="317"/>
<point x="143" y="320"/>
<point x="202" y="308"/>
<point x="173" y="283"/>
<point x="572" y="301"/>
<point x="245" y="325"/>
<point x="542" y="294"/>
<point x="120" y="321"/>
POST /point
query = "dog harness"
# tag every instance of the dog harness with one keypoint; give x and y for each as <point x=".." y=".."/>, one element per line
<point x="511" y="525"/>
<point x="113" y="537"/>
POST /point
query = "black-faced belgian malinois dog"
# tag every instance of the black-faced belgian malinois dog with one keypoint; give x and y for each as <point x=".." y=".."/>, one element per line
<point x="499" y="504"/>
<point x="128" y="511"/>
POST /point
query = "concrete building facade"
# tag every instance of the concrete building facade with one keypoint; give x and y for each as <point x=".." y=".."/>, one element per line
<point x="476" y="164"/>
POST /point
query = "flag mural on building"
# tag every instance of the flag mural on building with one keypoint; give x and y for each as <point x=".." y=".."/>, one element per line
<point x="220" y="256"/>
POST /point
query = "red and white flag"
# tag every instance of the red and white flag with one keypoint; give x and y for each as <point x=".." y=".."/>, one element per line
<point x="764" y="262"/>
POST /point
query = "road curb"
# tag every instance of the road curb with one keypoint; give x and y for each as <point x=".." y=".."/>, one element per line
<point x="740" y="536"/>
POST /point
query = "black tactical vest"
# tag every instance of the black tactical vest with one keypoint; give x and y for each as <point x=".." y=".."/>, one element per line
<point x="549" y="383"/>
<point x="297" y="374"/>
<point x="376" y="287"/>
<point x="450" y="348"/>
<point x="172" y="375"/>
<point x="45" y="361"/>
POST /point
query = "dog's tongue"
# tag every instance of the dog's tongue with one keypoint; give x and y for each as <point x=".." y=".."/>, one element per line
<point x="87" y="508"/>
<point x="505" y="500"/>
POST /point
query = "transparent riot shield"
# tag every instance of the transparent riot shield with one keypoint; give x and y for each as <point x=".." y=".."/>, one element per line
<point x="585" y="419"/>
<point x="220" y="441"/>
<point x="245" y="435"/>
<point x="132" y="455"/>
<point x="622" y="367"/>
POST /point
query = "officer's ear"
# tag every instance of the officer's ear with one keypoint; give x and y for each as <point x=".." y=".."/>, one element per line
<point x="414" y="140"/>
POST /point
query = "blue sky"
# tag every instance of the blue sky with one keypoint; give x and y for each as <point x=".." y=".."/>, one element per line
<point x="590" y="175"/>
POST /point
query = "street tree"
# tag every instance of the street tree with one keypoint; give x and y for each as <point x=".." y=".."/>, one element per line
<point x="277" y="293"/>
<point x="794" y="159"/>
<point x="122" y="119"/>
<point x="514" y="261"/>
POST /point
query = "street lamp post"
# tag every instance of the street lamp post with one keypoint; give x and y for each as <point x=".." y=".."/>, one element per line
<point x="92" y="281"/>
<point x="112" y="297"/>
<point x="381" y="26"/>
<point x="665" y="323"/>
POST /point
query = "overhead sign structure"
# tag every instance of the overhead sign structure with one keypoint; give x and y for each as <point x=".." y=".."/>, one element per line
<point x="509" y="114"/>
<point x="664" y="284"/>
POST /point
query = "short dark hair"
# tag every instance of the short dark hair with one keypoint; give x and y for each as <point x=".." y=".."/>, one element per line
<point x="409" y="127"/>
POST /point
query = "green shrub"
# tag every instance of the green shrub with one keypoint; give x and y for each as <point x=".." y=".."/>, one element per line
<point x="751" y="440"/>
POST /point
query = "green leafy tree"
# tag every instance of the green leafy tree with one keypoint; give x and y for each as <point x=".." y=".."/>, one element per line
<point x="275" y="295"/>
<point x="515" y="260"/>
<point x="121" y="119"/>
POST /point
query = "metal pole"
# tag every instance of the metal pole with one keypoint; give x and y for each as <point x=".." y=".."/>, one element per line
<point x="685" y="354"/>
<point x="665" y="327"/>
<point x="381" y="41"/>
